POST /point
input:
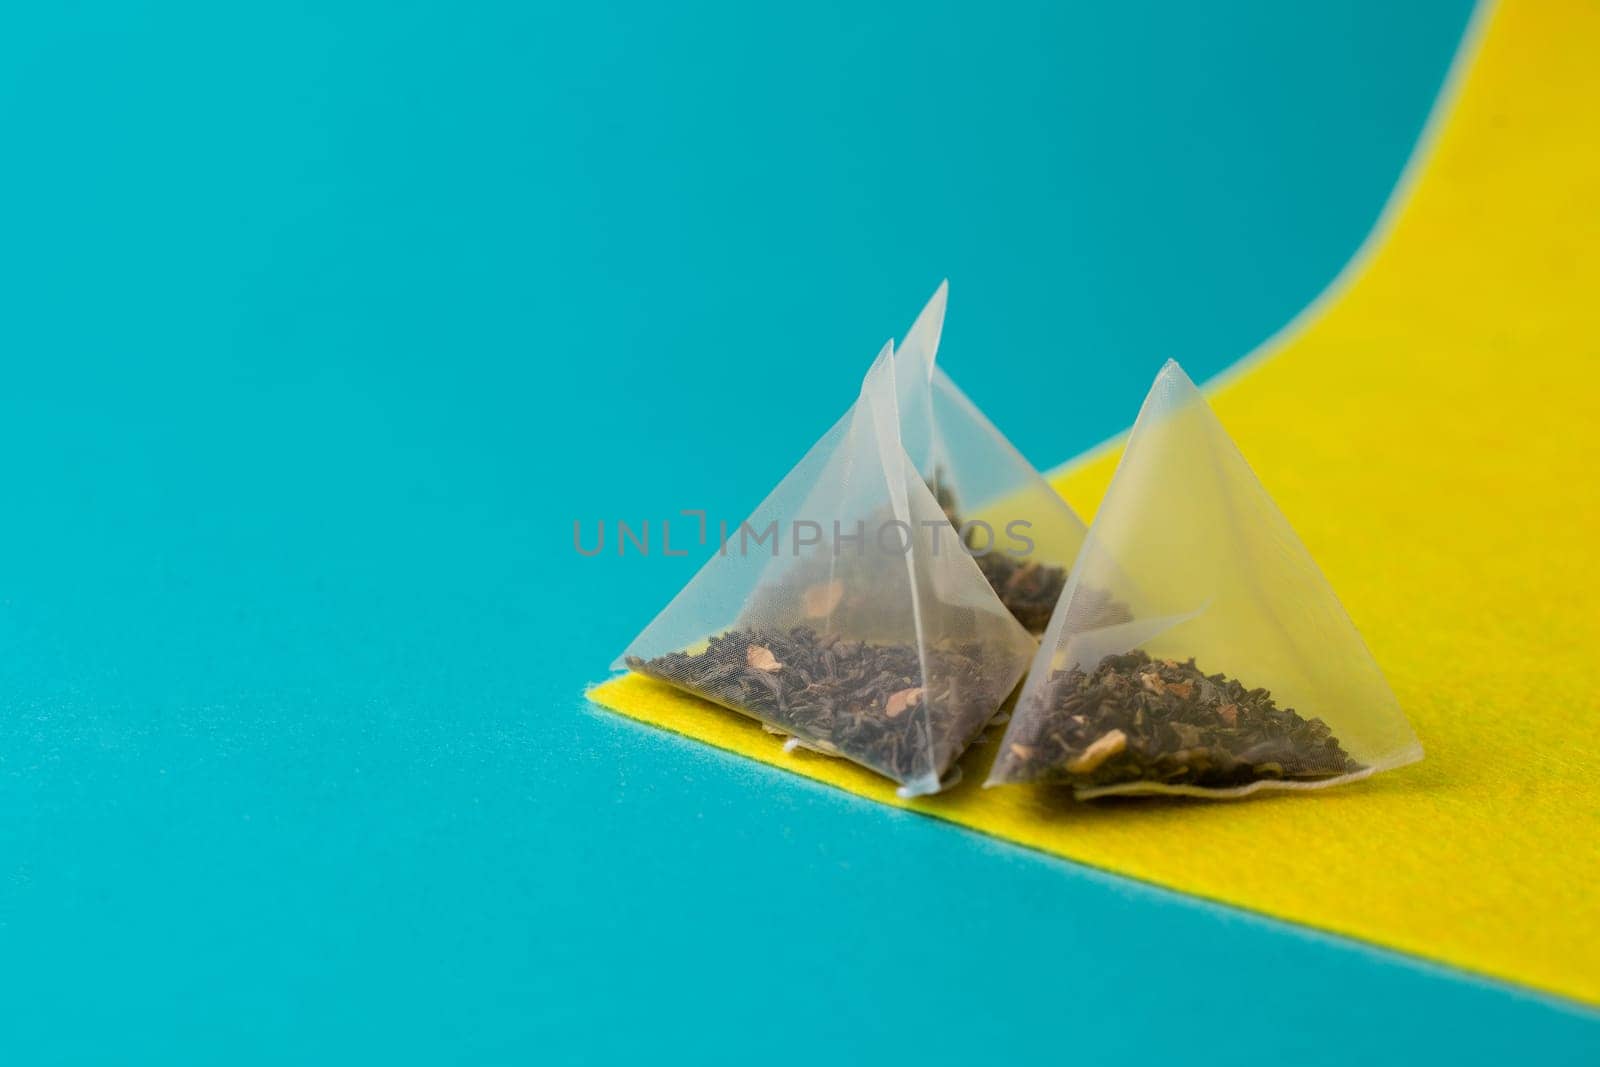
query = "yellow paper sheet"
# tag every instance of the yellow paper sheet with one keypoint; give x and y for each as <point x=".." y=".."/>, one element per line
<point x="1432" y="430"/>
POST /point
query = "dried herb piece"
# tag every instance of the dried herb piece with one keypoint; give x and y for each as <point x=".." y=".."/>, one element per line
<point x="1029" y="589"/>
<point x="870" y="703"/>
<point x="1137" y="719"/>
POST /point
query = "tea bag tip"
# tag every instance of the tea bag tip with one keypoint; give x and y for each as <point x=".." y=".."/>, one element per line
<point x="926" y="785"/>
<point x="921" y="342"/>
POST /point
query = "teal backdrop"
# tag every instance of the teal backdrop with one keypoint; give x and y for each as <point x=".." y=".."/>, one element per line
<point x="320" y="325"/>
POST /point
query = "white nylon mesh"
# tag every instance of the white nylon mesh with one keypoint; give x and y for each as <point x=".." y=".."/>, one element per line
<point x="981" y="477"/>
<point x="895" y="660"/>
<point x="1189" y="541"/>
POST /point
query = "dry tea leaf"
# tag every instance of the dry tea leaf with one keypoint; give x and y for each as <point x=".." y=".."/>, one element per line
<point x="762" y="659"/>
<point x="901" y="700"/>
<point x="1103" y="748"/>
<point x="1188" y="734"/>
<point x="1167" y="726"/>
<point x="837" y="695"/>
<point x="819" y="600"/>
<point x="1030" y="589"/>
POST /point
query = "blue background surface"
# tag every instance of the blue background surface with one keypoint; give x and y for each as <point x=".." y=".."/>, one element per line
<point x="321" y="324"/>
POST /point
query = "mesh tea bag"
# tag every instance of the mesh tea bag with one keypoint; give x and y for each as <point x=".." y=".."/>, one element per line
<point x="1022" y="534"/>
<point x="1237" y="668"/>
<point x="845" y="613"/>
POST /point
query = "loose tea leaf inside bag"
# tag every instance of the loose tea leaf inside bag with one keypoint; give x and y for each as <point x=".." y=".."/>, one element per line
<point x="1022" y="534"/>
<point x="846" y="613"/>
<point x="1236" y="669"/>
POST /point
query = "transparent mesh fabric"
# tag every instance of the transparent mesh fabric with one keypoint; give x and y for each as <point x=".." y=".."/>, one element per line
<point x="1026" y="535"/>
<point x="1209" y="571"/>
<point x="862" y="627"/>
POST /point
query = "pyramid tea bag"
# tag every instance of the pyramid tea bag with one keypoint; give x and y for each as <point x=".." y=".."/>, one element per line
<point x="845" y="612"/>
<point x="1237" y="668"/>
<point x="1023" y="536"/>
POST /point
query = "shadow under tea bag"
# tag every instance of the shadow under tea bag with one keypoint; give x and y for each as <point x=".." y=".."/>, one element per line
<point x="845" y="613"/>
<point x="1238" y="668"/>
<point x="1023" y="536"/>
